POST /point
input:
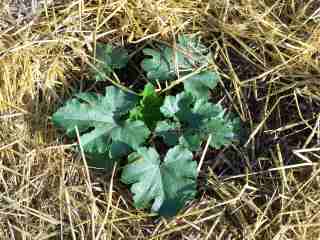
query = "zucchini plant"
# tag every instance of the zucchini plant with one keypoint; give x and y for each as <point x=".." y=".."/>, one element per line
<point x="119" y="125"/>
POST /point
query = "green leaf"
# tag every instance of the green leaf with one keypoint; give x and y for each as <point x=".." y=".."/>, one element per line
<point x="240" y="132"/>
<point x="164" y="63"/>
<point x="221" y="131"/>
<point x="169" y="184"/>
<point x="103" y="61"/>
<point x="177" y="105"/>
<point x="76" y="113"/>
<point x="118" y="101"/>
<point x="170" y="106"/>
<point x="191" y="139"/>
<point x="108" y="59"/>
<point x="118" y="150"/>
<point x="149" y="108"/>
<point x="133" y="133"/>
<point x="194" y="121"/>
<point x="196" y="53"/>
<point x="205" y="109"/>
<point x="168" y="131"/>
<point x="119" y="58"/>
<point x="212" y="121"/>
<point x="97" y="140"/>
<point x="200" y="84"/>
<point x="99" y="120"/>
<point x="103" y="110"/>
<point x="157" y="66"/>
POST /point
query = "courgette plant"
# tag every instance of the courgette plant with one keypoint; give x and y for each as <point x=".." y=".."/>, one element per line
<point x="121" y="125"/>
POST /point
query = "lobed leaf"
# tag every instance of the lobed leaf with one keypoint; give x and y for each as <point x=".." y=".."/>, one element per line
<point x="200" y="84"/>
<point x="197" y="54"/>
<point x="222" y="132"/>
<point x="169" y="185"/>
<point x="133" y="133"/>
<point x="157" y="66"/>
<point x="108" y="59"/>
<point x="166" y="63"/>
<point x="99" y="120"/>
<point x="194" y="121"/>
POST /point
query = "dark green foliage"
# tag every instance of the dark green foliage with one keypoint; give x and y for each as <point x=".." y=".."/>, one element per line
<point x="149" y="108"/>
<point x="99" y="122"/>
<point x="109" y="58"/>
<point x="168" y="131"/>
<point x="194" y="120"/>
<point x="120" y="124"/>
<point x="166" y="63"/>
<point x="168" y="184"/>
<point x="201" y="83"/>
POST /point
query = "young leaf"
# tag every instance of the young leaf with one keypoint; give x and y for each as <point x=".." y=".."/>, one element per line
<point x="99" y="121"/>
<point x="170" y="184"/>
<point x="149" y="109"/>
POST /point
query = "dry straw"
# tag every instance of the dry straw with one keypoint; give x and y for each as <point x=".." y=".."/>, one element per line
<point x="267" y="54"/>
